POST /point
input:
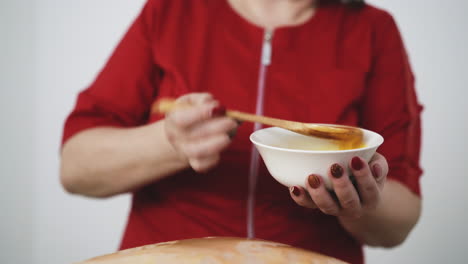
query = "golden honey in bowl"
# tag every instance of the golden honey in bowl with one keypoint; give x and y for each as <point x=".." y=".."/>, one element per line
<point x="319" y="144"/>
<point x="351" y="143"/>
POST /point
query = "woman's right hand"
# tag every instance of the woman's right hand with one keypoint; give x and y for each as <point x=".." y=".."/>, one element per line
<point x="201" y="132"/>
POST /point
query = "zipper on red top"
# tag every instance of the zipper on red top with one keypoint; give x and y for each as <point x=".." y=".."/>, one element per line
<point x="265" y="61"/>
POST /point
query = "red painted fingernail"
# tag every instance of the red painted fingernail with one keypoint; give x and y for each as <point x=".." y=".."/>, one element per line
<point x="336" y="170"/>
<point x="314" y="181"/>
<point x="377" y="170"/>
<point x="356" y="163"/>
<point x="219" y="110"/>
<point x="295" y="190"/>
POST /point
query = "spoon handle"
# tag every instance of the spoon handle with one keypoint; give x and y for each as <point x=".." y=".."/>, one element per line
<point x="168" y="105"/>
<point x="269" y="121"/>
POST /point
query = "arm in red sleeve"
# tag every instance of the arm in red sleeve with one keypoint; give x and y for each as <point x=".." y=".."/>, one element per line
<point x="390" y="106"/>
<point x="107" y="146"/>
<point x="123" y="91"/>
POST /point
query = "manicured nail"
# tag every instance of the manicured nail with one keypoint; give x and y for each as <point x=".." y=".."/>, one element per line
<point x="295" y="190"/>
<point x="219" y="110"/>
<point x="377" y="171"/>
<point x="314" y="181"/>
<point x="356" y="163"/>
<point x="336" y="170"/>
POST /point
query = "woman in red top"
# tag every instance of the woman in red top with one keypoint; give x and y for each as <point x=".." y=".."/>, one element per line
<point x="301" y="60"/>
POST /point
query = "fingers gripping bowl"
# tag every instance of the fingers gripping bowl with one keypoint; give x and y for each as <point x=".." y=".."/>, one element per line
<point x="291" y="158"/>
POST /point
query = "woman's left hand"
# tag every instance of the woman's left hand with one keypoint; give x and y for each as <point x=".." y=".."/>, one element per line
<point x="350" y="201"/>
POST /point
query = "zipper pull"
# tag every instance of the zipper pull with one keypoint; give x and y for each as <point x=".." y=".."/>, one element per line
<point x="266" y="47"/>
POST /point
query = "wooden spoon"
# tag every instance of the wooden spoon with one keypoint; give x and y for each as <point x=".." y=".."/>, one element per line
<point x="347" y="137"/>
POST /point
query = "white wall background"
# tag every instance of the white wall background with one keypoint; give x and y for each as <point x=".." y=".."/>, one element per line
<point x="51" y="49"/>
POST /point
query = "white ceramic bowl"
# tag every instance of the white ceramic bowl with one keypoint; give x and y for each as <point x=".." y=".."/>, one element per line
<point x="290" y="160"/>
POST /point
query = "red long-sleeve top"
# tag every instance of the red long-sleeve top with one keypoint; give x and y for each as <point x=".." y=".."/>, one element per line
<point x="345" y="66"/>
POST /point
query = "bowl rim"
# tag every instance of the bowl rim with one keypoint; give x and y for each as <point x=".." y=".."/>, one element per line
<point x="380" y="142"/>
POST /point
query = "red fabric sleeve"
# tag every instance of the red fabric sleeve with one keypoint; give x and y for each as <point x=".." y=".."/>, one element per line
<point x="123" y="91"/>
<point x="390" y="106"/>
